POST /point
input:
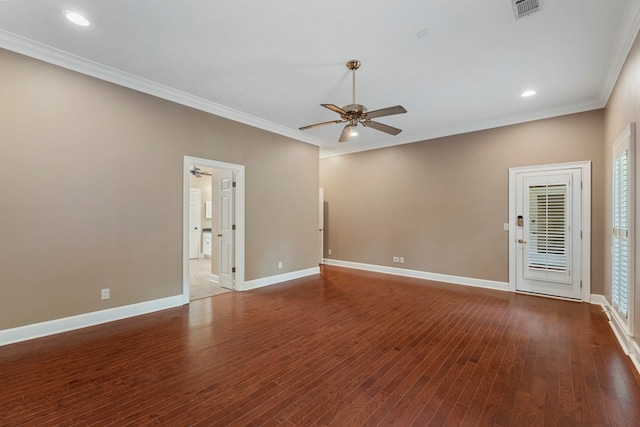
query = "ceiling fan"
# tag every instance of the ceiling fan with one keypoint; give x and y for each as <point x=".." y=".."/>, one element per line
<point x="353" y="113"/>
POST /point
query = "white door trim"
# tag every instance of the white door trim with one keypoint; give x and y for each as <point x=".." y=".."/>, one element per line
<point x="585" y="247"/>
<point x="189" y="162"/>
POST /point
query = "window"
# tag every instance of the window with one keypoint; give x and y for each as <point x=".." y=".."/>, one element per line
<point x="622" y="225"/>
<point x="548" y="230"/>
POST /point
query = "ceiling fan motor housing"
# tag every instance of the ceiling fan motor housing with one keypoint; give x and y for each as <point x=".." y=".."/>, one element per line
<point x="354" y="112"/>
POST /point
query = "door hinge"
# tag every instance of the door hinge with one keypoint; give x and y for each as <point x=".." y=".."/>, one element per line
<point x="581" y="234"/>
<point x="580" y="284"/>
<point x="233" y="270"/>
<point x="233" y="227"/>
<point x="234" y="183"/>
<point x="581" y="185"/>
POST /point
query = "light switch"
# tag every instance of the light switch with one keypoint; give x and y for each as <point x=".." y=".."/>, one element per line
<point x="505" y="226"/>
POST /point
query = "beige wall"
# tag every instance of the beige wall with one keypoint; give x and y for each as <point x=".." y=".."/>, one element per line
<point x="91" y="184"/>
<point x="623" y="108"/>
<point x="442" y="203"/>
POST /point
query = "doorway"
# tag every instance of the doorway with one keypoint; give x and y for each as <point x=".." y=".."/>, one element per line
<point x="203" y="263"/>
<point x="549" y="230"/>
<point x="225" y="209"/>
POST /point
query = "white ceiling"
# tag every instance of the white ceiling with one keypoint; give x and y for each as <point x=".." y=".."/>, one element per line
<point x="272" y="63"/>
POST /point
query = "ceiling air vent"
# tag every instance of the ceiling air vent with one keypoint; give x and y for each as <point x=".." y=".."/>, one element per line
<point x="522" y="8"/>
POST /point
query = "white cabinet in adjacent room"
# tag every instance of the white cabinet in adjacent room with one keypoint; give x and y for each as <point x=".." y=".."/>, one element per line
<point x="206" y="243"/>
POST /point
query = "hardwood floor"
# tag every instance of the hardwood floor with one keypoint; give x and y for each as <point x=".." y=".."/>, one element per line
<point x="350" y="348"/>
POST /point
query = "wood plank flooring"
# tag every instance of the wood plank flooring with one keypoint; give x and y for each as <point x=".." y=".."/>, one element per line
<point x="350" y="348"/>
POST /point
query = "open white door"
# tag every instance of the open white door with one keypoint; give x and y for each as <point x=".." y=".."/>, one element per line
<point x="194" y="222"/>
<point x="226" y="228"/>
<point x="549" y="230"/>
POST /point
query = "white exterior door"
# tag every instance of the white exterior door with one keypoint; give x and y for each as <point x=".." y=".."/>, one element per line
<point x="194" y="222"/>
<point x="226" y="249"/>
<point x="548" y="232"/>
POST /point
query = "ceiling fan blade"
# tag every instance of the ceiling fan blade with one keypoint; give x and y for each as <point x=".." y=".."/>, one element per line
<point x="334" y="108"/>
<point x="389" y="111"/>
<point x="321" y="124"/>
<point x="346" y="133"/>
<point x="381" y="127"/>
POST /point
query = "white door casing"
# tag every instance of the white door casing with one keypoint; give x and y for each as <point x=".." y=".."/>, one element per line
<point x="226" y="225"/>
<point x="549" y="254"/>
<point x="195" y="222"/>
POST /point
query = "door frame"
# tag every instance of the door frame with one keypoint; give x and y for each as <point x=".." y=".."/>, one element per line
<point x="585" y="247"/>
<point x="190" y="162"/>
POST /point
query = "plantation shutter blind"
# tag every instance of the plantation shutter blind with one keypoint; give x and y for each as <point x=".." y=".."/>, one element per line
<point x="620" y="240"/>
<point x="622" y="223"/>
<point x="547" y="248"/>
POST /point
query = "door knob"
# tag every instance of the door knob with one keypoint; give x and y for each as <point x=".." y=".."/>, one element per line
<point x="219" y="234"/>
<point x="521" y="241"/>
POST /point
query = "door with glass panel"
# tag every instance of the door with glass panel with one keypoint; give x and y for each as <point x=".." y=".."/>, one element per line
<point x="548" y="232"/>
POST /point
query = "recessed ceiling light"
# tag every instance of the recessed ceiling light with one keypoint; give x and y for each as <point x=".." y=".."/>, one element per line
<point x="528" y="93"/>
<point x="76" y="18"/>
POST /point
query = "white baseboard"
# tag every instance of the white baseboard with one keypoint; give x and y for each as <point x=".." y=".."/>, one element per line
<point x="271" y="280"/>
<point x="635" y="355"/>
<point x="599" y="300"/>
<point x="37" y="330"/>
<point x="628" y="344"/>
<point x="457" y="280"/>
<point x="214" y="278"/>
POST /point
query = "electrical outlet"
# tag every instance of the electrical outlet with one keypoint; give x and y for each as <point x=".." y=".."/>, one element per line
<point x="401" y="260"/>
<point x="396" y="259"/>
<point x="329" y="251"/>
<point x="104" y="294"/>
<point x="279" y="265"/>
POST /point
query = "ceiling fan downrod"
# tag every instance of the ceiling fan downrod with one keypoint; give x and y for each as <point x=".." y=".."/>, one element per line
<point x="353" y="65"/>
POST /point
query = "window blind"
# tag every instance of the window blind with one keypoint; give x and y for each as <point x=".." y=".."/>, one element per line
<point x="547" y="248"/>
<point x="620" y="239"/>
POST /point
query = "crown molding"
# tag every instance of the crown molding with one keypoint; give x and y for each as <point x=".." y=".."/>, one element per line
<point x="51" y="55"/>
<point x="626" y="37"/>
<point x="13" y="42"/>
<point x="470" y="127"/>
